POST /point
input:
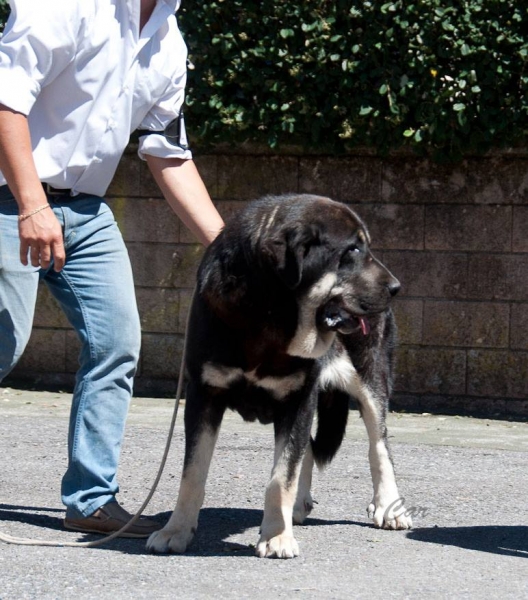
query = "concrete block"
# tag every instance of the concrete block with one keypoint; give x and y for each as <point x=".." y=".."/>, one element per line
<point x="207" y="165"/>
<point x="519" y="327"/>
<point x="146" y="220"/>
<point x="393" y="226"/>
<point x="242" y="177"/>
<point x="498" y="373"/>
<point x="475" y="228"/>
<point x="165" y="265"/>
<point x="159" y="310"/>
<point x="45" y="352"/>
<point x="466" y="324"/>
<point x="491" y="180"/>
<point x="410" y="180"/>
<point x="161" y="355"/>
<point x="430" y="370"/>
<point x="498" y="277"/>
<point x="186" y="296"/>
<point x="409" y="320"/>
<point x="126" y="180"/>
<point x="348" y="179"/>
<point x="48" y="313"/>
<point x="520" y="229"/>
<point x="429" y="274"/>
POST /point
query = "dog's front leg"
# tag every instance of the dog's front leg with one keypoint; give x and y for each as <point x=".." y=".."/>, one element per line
<point x="202" y="425"/>
<point x="276" y="534"/>
<point x="386" y="509"/>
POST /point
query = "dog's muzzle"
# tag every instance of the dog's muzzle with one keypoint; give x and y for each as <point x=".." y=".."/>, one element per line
<point x="332" y="317"/>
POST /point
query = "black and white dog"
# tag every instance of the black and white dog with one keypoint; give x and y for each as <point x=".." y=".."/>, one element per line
<point x="291" y="316"/>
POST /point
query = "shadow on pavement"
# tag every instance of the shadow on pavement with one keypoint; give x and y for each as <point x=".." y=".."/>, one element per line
<point x="215" y="526"/>
<point x="32" y="515"/>
<point x="508" y="540"/>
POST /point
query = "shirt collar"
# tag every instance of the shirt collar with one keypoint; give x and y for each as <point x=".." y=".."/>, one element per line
<point x="163" y="9"/>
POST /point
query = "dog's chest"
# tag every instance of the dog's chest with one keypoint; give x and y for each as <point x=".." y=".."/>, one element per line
<point x="278" y="386"/>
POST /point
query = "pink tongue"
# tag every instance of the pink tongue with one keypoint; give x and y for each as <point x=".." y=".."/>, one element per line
<point x="365" y="325"/>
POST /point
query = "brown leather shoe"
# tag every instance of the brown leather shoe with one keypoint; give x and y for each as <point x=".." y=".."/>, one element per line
<point x="110" y="518"/>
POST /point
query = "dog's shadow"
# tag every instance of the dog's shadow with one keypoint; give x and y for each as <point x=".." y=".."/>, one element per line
<point x="216" y="526"/>
<point x="506" y="540"/>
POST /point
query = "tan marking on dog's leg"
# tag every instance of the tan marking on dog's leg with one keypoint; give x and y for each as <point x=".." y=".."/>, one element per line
<point x="304" y="502"/>
<point x="386" y="509"/>
<point x="181" y="527"/>
<point x="276" y="533"/>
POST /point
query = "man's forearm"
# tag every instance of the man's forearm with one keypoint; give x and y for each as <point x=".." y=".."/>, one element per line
<point x="186" y="193"/>
<point x="40" y="232"/>
<point x="16" y="160"/>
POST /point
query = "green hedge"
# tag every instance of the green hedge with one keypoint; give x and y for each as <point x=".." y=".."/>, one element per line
<point x="4" y="11"/>
<point x="447" y="77"/>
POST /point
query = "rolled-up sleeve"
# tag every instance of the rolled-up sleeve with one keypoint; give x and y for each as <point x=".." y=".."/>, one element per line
<point x="38" y="42"/>
<point x="166" y="110"/>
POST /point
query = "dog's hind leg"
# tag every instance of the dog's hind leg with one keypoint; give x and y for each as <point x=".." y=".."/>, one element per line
<point x="291" y="440"/>
<point x="202" y="425"/>
<point x="304" y="501"/>
<point x="332" y="411"/>
<point x="386" y="509"/>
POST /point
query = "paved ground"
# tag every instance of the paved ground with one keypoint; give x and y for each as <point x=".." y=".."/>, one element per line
<point x="464" y="479"/>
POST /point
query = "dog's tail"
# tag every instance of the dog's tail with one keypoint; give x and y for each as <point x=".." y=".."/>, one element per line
<point x="332" y="415"/>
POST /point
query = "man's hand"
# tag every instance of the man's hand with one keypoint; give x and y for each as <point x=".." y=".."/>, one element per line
<point x="41" y="239"/>
<point x="40" y="232"/>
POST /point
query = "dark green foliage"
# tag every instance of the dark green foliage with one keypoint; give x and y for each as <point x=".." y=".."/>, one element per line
<point x="442" y="76"/>
<point x="4" y="12"/>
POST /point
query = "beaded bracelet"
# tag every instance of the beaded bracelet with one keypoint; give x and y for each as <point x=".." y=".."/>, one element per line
<point x="33" y="212"/>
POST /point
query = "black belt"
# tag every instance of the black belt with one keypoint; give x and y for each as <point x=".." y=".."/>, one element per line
<point x="53" y="191"/>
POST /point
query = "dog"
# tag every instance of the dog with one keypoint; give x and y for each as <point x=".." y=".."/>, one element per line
<point x="291" y="317"/>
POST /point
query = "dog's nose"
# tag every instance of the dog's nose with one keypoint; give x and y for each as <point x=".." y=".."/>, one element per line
<point x="394" y="287"/>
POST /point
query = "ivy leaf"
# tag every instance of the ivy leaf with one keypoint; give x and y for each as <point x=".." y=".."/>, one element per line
<point x="286" y="33"/>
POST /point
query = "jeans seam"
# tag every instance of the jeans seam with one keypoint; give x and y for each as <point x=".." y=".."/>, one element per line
<point x="85" y="385"/>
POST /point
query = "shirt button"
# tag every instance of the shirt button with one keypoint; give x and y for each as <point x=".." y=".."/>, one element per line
<point x="112" y="124"/>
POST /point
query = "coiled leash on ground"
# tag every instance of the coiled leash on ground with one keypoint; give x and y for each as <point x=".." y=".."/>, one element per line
<point x="8" y="539"/>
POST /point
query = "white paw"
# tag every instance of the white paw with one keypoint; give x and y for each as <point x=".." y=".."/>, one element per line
<point x="389" y="514"/>
<point x="170" y="540"/>
<point x="303" y="507"/>
<point x="280" y="546"/>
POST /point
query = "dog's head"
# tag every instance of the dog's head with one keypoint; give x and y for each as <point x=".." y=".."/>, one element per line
<point x="320" y="250"/>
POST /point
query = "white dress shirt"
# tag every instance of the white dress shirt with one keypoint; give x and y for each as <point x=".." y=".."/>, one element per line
<point x="86" y="77"/>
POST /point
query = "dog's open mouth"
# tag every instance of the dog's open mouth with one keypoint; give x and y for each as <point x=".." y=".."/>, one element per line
<point x="335" y="318"/>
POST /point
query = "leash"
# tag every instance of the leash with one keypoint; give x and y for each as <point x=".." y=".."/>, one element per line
<point x="8" y="539"/>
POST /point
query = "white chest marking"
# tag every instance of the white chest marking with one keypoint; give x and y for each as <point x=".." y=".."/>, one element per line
<point x="223" y="377"/>
<point x="340" y="373"/>
<point x="308" y="341"/>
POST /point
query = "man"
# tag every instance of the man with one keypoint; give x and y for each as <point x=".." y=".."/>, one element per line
<point x="76" y="78"/>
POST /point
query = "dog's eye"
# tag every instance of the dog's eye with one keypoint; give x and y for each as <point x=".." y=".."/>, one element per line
<point x="354" y="249"/>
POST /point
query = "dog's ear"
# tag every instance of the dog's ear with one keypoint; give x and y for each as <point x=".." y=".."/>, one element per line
<point x="286" y="250"/>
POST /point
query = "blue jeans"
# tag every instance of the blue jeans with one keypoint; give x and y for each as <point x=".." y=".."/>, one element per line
<point x="96" y="291"/>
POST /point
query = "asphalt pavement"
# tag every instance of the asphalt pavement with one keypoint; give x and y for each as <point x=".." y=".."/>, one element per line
<point x="465" y="481"/>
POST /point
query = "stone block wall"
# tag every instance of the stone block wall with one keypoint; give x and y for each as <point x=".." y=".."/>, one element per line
<point x="455" y="235"/>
